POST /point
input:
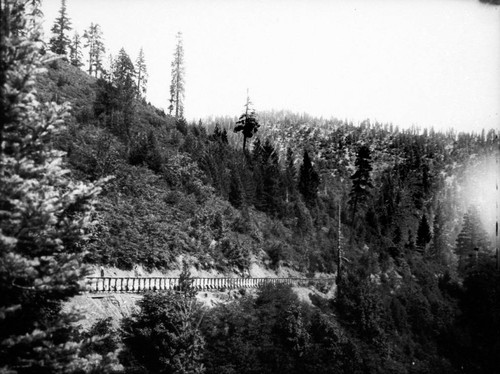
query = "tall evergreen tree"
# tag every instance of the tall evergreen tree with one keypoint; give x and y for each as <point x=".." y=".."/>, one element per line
<point x="290" y="174"/>
<point x="441" y="242"/>
<point x="141" y="73"/>
<point x="472" y="241"/>
<point x="95" y="45"/>
<point x="60" y="42"/>
<point x="308" y="180"/>
<point x="424" y="235"/>
<point x="124" y="79"/>
<point x="177" y="83"/>
<point x="75" y="51"/>
<point x="361" y="180"/>
<point x="219" y="135"/>
<point x="257" y="174"/>
<point x="247" y="123"/>
<point x="44" y="216"/>
<point x="88" y="35"/>
<point x="124" y="74"/>
<point x="164" y="335"/>
<point x="110" y="68"/>
<point x="271" y="186"/>
<point x="386" y="202"/>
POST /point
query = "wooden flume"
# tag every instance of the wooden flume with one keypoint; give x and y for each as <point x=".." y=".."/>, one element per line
<point x="143" y="284"/>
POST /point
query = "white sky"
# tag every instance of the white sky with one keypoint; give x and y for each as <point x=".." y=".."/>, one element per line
<point x="428" y="63"/>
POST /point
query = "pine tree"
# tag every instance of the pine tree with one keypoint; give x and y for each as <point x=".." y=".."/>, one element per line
<point x="142" y="73"/>
<point x="271" y="181"/>
<point x="247" y="123"/>
<point x="108" y="76"/>
<point x="219" y="135"/>
<point x="44" y="216"/>
<point x="361" y="180"/>
<point x="290" y="174"/>
<point x="256" y="163"/>
<point x="75" y="51"/>
<point x="95" y="45"/>
<point x="472" y="242"/>
<point x="60" y="42"/>
<point x="308" y="180"/>
<point x="424" y="235"/>
<point x="177" y="84"/>
<point x="88" y="35"/>
<point x="99" y="51"/>
<point x="386" y="202"/>
<point x="124" y="78"/>
<point x="123" y="73"/>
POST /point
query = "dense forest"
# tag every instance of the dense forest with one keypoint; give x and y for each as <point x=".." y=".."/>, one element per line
<point x="110" y="180"/>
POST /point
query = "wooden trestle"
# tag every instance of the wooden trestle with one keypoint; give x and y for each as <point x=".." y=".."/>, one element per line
<point x="143" y="284"/>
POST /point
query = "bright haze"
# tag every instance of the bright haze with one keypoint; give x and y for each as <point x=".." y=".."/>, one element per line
<point x="424" y="63"/>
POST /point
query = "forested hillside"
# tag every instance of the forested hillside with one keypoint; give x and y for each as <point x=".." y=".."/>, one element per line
<point x="404" y="218"/>
<point x="191" y="188"/>
<point x="414" y="246"/>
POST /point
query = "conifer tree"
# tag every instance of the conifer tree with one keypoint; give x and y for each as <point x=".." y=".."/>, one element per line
<point x="142" y="73"/>
<point x="257" y="174"/>
<point x="361" y="180"/>
<point x="123" y="78"/>
<point x="271" y="181"/>
<point x="124" y="74"/>
<point x="308" y="180"/>
<point x="247" y="123"/>
<point x="75" y="51"/>
<point x="472" y="241"/>
<point x="177" y="83"/>
<point x="44" y="216"/>
<point x="164" y="336"/>
<point x="88" y="35"/>
<point x="424" y="235"/>
<point x="99" y="51"/>
<point x="60" y="42"/>
<point x="290" y="174"/>
<point x="219" y="135"/>
<point x="95" y="45"/>
<point x="441" y="243"/>
<point x="110" y="68"/>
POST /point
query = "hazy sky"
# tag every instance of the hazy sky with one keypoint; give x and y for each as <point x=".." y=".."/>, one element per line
<point x="428" y="63"/>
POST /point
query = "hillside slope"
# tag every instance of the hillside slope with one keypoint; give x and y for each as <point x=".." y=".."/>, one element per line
<point x="158" y="204"/>
<point x="178" y="190"/>
<point x="418" y="291"/>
